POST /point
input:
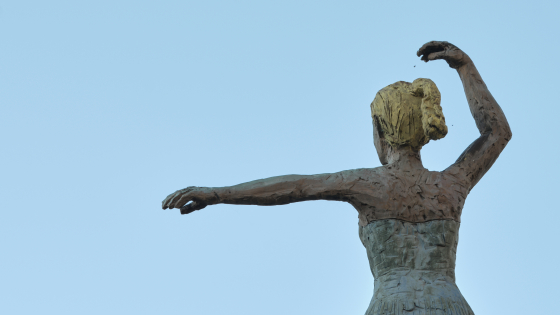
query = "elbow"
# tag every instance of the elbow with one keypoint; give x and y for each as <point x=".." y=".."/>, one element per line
<point x="500" y="130"/>
<point x="508" y="134"/>
<point x="504" y="132"/>
<point x="503" y="128"/>
<point x="500" y="136"/>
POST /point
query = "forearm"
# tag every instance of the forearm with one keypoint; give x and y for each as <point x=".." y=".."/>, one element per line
<point x="489" y="117"/>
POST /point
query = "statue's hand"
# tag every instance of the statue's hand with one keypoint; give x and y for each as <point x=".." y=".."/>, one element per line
<point x="435" y="50"/>
<point x="198" y="195"/>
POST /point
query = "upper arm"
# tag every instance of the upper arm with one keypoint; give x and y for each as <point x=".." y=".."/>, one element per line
<point x="477" y="159"/>
<point x="338" y="186"/>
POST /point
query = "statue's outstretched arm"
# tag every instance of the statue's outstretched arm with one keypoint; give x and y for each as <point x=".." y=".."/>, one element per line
<point x="271" y="191"/>
<point x="494" y="129"/>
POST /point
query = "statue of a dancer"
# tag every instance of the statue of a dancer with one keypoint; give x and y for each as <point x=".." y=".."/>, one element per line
<point x="408" y="216"/>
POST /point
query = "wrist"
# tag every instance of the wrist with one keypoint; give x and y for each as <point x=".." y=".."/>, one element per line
<point x="466" y="70"/>
<point x="208" y="195"/>
<point x="462" y="63"/>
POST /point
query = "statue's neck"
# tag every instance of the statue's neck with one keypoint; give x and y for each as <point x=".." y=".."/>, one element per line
<point x="404" y="158"/>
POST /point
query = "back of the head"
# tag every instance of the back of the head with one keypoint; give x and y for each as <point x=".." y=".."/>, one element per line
<point x="409" y="114"/>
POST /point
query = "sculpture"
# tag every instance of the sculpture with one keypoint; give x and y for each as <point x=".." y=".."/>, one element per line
<point x="409" y="217"/>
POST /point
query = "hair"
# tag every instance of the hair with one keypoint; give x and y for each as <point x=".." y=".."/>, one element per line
<point x="409" y="114"/>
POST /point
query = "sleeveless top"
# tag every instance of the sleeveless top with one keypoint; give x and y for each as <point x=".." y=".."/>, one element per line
<point x="414" y="267"/>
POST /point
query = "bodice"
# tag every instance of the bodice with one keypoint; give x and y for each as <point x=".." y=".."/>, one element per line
<point x="414" y="267"/>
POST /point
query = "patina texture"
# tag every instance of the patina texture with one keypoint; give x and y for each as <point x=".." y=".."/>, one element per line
<point x="408" y="216"/>
<point x="391" y="191"/>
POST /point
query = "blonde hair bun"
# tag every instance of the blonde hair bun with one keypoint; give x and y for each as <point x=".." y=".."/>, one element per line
<point x="409" y="114"/>
<point x="433" y="121"/>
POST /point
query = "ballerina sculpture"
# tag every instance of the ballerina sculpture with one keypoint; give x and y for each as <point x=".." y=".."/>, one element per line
<point x="409" y="217"/>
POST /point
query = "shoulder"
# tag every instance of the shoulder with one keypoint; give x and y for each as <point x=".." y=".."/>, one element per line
<point x="454" y="176"/>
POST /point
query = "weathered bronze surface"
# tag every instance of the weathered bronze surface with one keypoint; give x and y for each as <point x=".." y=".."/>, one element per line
<point x="409" y="217"/>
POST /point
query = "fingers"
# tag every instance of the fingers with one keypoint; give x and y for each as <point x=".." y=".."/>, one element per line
<point x="180" y="198"/>
<point x="193" y="206"/>
<point x="183" y="199"/>
<point x="171" y="201"/>
<point x="432" y="46"/>
<point x="434" y="56"/>
<point x="434" y="50"/>
<point x="174" y="199"/>
<point x="188" y="208"/>
<point x="166" y="201"/>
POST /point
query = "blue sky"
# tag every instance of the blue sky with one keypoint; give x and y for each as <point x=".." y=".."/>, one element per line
<point x="109" y="106"/>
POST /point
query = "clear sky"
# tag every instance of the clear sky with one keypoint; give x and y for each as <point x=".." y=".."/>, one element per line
<point x="109" y="106"/>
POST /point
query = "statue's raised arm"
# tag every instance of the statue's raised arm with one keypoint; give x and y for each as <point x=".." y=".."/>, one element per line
<point x="494" y="129"/>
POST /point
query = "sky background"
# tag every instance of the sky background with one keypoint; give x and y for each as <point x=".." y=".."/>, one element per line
<point x="109" y="106"/>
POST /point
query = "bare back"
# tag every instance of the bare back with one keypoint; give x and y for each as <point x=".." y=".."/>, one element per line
<point x="417" y="195"/>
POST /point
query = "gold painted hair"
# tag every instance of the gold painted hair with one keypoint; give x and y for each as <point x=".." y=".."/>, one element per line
<point x="409" y="114"/>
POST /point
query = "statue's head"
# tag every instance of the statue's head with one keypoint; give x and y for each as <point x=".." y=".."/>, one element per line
<point x="407" y="115"/>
